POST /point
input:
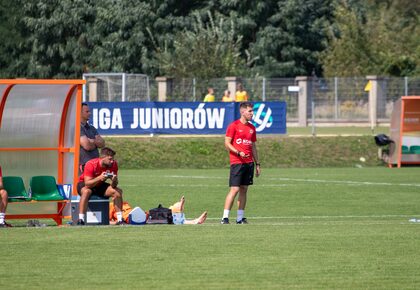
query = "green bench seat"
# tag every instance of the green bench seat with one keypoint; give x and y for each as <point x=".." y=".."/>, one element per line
<point x="15" y="188"/>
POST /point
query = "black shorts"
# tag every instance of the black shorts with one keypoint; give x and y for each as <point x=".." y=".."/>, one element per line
<point x="241" y="174"/>
<point x="97" y="190"/>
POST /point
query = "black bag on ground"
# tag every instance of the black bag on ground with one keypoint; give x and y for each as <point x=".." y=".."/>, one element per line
<point x="160" y="215"/>
<point x="382" y="140"/>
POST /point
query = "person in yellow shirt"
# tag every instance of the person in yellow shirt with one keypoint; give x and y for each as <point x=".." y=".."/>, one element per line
<point x="210" y="96"/>
<point x="226" y="97"/>
<point x="241" y="94"/>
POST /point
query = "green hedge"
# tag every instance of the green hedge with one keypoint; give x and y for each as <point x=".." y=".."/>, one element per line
<point x="205" y="152"/>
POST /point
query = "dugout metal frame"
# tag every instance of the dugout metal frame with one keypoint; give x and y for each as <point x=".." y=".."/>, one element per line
<point x="58" y="103"/>
<point x="405" y="131"/>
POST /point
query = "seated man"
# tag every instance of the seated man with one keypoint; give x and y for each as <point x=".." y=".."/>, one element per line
<point x="3" y="203"/>
<point x="92" y="182"/>
<point x="178" y="214"/>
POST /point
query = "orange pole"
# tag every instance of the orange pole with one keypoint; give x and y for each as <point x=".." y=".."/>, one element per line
<point x="77" y="139"/>
<point x="3" y="101"/>
<point x="41" y="82"/>
<point x="62" y="134"/>
<point x="401" y="133"/>
<point x="30" y="149"/>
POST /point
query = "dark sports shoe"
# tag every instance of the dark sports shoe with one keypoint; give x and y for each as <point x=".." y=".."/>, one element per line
<point x="5" y="225"/>
<point x="121" y="223"/>
<point x="224" y="221"/>
<point x="242" y="221"/>
<point x="80" y="223"/>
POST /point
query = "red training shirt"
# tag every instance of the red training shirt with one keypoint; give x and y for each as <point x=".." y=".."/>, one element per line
<point x="243" y="135"/>
<point x="93" y="169"/>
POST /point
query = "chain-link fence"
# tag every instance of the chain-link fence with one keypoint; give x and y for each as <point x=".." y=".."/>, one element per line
<point x="347" y="99"/>
<point x="116" y="87"/>
<point x="328" y="99"/>
<point x="192" y="90"/>
<point x="338" y="99"/>
<point x="273" y="89"/>
<point x="258" y="89"/>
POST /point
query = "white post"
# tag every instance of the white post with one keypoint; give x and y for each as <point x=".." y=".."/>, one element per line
<point x="232" y="81"/>
<point x="303" y="83"/>
<point x="194" y="98"/>
<point x="336" y="97"/>
<point x="148" y="88"/>
<point x="123" y="87"/>
<point x="164" y="87"/>
<point x="84" y="89"/>
<point x="263" y="90"/>
<point x="313" y="117"/>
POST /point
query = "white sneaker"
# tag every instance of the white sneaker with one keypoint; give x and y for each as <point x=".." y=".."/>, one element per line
<point x="414" y="221"/>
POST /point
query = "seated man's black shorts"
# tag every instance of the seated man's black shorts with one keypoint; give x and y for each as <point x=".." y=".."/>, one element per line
<point x="241" y="174"/>
<point x="98" y="190"/>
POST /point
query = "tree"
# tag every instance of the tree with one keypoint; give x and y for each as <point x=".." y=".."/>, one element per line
<point x="58" y="37"/>
<point x="379" y="37"/>
<point x="349" y="53"/>
<point x="14" y="54"/>
<point x="295" y="35"/>
<point x="206" y="51"/>
<point x="119" y="37"/>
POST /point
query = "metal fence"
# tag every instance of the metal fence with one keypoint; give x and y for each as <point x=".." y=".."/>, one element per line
<point x="328" y="100"/>
<point x="273" y="89"/>
<point x="347" y="99"/>
<point x="116" y="87"/>
<point x="338" y="99"/>
<point x="192" y="90"/>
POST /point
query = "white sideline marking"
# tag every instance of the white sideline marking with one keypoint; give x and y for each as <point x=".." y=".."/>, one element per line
<point x="323" y="217"/>
<point x="345" y="182"/>
<point x="207" y="185"/>
<point x="324" y="223"/>
<point x="348" y="182"/>
<point x="305" y="180"/>
<point x="195" y="177"/>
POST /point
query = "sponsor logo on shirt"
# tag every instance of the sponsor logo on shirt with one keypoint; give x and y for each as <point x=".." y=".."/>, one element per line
<point x="243" y="141"/>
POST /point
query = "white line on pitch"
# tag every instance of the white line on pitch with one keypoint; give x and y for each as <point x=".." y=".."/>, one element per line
<point x="325" y="217"/>
<point x="344" y="181"/>
<point x="206" y="185"/>
<point x="324" y="223"/>
<point x="347" y="182"/>
<point x="312" y="180"/>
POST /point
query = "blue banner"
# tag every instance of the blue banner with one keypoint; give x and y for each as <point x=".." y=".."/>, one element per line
<point x="138" y="118"/>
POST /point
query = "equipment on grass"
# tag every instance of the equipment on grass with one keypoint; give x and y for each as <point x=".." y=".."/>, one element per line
<point x="160" y="215"/>
<point x="382" y="140"/>
<point x="137" y="216"/>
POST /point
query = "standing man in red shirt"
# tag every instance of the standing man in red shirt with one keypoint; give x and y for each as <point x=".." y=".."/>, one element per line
<point x="92" y="182"/>
<point x="240" y="142"/>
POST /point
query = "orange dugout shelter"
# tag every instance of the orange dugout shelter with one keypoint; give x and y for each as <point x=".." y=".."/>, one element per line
<point x="40" y="129"/>
<point x="405" y="132"/>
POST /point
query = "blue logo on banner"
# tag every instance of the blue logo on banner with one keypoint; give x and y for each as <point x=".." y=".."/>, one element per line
<point x="262" y="117"/>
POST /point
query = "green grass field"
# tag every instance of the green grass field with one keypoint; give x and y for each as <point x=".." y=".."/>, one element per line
<point x="341" y="228"/>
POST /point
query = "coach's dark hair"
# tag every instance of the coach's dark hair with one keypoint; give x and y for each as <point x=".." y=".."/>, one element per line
<point x="84" y="104"/>
<point x="106" y="151"/>
<point x="244" y="105"/>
